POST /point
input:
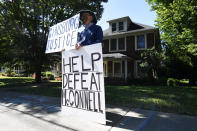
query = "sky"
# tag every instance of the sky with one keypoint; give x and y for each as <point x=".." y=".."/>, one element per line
<point x="138" y="10"/>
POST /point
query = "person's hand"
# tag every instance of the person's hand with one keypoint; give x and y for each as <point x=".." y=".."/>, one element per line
<point x="63" y="50"/>
<point x="78" y="46"/>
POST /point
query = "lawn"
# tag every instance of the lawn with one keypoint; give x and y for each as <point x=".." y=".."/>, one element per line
<point x="14" y="81"/>
<point x="28" y="85"/>
<point x="182" y="100"/>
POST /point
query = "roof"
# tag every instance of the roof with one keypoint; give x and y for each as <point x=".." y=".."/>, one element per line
<point x="118" y="19"/>
<point x="108" y="32"/>
<point x="115" y="55"/>
<point x="142" y="28"/>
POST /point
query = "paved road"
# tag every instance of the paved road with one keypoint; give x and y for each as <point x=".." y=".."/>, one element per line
<point x="24" y="112"/>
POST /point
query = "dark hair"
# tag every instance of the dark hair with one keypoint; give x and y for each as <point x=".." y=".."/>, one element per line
<point x="94" y="20"/>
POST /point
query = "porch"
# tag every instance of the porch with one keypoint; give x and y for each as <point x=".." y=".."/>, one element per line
<point x="117" y="68"/>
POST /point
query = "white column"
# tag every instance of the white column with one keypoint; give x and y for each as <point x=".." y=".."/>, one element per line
<point x="125" y="70"/>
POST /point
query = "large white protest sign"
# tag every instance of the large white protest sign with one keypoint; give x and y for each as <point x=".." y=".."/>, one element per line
<point x="63" y="35"/>
<point x="83" y="83"/>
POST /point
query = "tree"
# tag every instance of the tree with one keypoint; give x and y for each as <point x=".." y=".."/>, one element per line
<point x="26" y="23"/>
<point x="176" y="20"/>
<point x="153" y="61"/>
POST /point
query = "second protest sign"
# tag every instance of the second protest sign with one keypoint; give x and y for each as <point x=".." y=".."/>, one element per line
<point x="63" y="35"/>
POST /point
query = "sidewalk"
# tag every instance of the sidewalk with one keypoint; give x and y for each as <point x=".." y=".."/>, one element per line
<point x="21" y="112"/>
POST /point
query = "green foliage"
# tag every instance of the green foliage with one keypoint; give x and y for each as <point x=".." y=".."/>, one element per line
<point x="8" y="66"/>
<point x="153" y="60"/>
<point x="176" y="20"/>
<point x="24" y="29"/>
<point x="192" y="49"/>
<point x="1" y="73"/>
<point x="172" y="82"/>
<point x="12" y="74"/>
<point x="50" y="76"/>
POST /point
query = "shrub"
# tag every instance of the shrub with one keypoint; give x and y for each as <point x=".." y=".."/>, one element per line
<point x="172" y="82"/>
<point x="12" y="74"/>
<point x="43" y="74"/>
<point x="49" y="75"/>
<point x="4" y="74"/>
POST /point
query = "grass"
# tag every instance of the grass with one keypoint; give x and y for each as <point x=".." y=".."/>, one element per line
<point x="182" y="100"/>
<point x="45" y="89"/>
<point x="28" y="85"/>
<point x="14" y="81"/>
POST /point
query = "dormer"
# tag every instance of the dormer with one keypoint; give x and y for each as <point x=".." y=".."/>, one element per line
<point x="119" y="25"/>
<point x="123" y="24"/>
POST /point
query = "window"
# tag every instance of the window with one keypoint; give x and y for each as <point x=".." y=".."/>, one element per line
<point x="121" y="26"/>
<point x="117" y="69"/>
<point x="118" y="26"/>
<point x="113" y="27"/>
<point x="140" y="42"/>
<point x="113" y="68"/>
<point x="121" y="43"/>
<point x="118" y="44"/>
<point x="113" y="44"/>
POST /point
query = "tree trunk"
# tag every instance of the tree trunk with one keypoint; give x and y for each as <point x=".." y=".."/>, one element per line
<point x="193" y="77"/>
<point x="38" y="74"/>
<point x="150" y="76"/>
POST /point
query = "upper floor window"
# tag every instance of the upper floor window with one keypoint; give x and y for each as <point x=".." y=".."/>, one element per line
<point x="121" y="43"/>
<point x="118" y="26"/>
<point x="113" y="27"/>
<point x="121" y="26"/>
<point x="118" y="44"/>
<point x="140" y="42"/>
<point x="113" y="45"/>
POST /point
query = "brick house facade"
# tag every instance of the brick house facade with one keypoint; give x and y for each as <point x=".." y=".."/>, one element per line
<point x="123" y="43"/>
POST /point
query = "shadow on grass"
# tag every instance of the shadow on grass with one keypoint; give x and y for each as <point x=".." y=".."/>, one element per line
<point x="7" y="82"/>
<point x="166" y="99"/>
<point x="45" y="89"/>
<point x="162" y="98"/>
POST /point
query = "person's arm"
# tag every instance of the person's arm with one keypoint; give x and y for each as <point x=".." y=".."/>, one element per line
<point x="81" y="39"/>
<point x="99" y="35"/>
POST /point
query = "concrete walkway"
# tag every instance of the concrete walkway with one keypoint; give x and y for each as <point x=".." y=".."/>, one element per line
<point x="24" y="112"/>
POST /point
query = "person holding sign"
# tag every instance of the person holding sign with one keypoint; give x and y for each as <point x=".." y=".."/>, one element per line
<point x="92" y="33"/>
